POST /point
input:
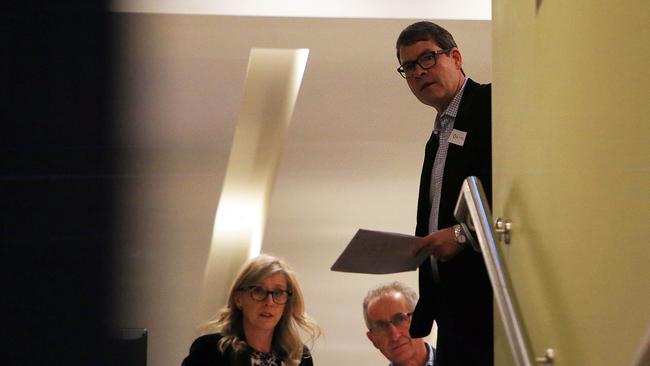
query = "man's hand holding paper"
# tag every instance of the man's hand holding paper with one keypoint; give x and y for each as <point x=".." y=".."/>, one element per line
<point x="378" y="252"/>
<point x="441" y="245"/>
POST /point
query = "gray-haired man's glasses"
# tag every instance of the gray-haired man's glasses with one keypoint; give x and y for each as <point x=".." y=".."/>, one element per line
<point x="426" y="61"/>
<point x="398" y="320"/>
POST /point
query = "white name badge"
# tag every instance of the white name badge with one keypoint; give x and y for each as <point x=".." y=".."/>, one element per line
<point x="457" y="137"/>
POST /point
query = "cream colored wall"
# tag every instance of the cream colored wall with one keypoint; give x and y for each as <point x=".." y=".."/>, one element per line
<point x="352" y="159"/>
<point x="571" y="169"/>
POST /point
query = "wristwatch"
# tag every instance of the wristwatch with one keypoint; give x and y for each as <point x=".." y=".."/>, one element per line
<point x="459" y="234"/>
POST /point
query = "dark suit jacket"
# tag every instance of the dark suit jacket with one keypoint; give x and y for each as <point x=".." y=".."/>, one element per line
<point x="205" y="352"/>
<point x="461" y="302"/>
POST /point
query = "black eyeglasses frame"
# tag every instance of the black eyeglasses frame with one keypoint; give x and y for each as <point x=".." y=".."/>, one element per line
<point x="273" y="293"/>
<point x="402" y="72"/>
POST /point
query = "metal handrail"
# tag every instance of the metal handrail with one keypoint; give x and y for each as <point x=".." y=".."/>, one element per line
<point x="472" y="202"/>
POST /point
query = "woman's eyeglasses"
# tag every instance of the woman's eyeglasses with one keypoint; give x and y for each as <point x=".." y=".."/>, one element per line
<point x="259" y="293"/>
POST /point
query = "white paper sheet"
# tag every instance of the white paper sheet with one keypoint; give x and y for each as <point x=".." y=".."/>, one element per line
<point x="378" y="252"/>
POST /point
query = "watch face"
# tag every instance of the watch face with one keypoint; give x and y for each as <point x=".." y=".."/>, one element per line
<point x="460" y="237"/>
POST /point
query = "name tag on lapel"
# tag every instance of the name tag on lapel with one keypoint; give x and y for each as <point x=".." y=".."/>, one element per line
<point x="457" y="137"/>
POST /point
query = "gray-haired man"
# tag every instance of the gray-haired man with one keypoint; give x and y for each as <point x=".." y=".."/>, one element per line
<point x="387" y="310"/>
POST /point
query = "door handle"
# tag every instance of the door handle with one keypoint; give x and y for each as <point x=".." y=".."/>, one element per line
<point x="548" y="357"/>
<point x="502" y="227"/>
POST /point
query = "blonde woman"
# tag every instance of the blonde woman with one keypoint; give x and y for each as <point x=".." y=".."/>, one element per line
<point x="259" y="324"/>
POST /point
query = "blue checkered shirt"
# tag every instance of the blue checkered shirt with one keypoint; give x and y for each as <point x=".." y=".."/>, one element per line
<point x="442" y="128"/>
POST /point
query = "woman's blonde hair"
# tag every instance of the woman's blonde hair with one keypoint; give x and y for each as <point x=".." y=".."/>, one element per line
<point x="286" y="337"/>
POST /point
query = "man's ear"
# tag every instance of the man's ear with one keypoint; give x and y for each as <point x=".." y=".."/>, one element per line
<point x="371" y="337"/>
<point x="457" y="57"/>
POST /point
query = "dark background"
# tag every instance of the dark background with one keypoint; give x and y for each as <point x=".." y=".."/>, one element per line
<point x="58" y="182"/>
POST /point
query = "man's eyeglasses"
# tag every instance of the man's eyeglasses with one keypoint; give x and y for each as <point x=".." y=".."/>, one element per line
<point x="259" y="293"/>
<point x="398" y="320"/>
<point x="426" y="61"/>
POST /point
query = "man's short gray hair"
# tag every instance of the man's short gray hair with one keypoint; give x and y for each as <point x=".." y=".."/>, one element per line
<point x="382" y="290"/>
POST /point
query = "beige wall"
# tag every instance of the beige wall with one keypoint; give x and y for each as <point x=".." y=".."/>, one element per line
<point x="351" y="160"/>
<point x="571" y="158"/>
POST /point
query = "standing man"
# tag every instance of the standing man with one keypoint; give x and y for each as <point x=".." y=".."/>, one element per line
<point x="454" y="287"/>
<point x="387" y="310"/>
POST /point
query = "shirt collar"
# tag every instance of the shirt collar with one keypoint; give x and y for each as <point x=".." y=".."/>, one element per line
<point x="431" y="352"/>
<point x="452" y="108"/>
